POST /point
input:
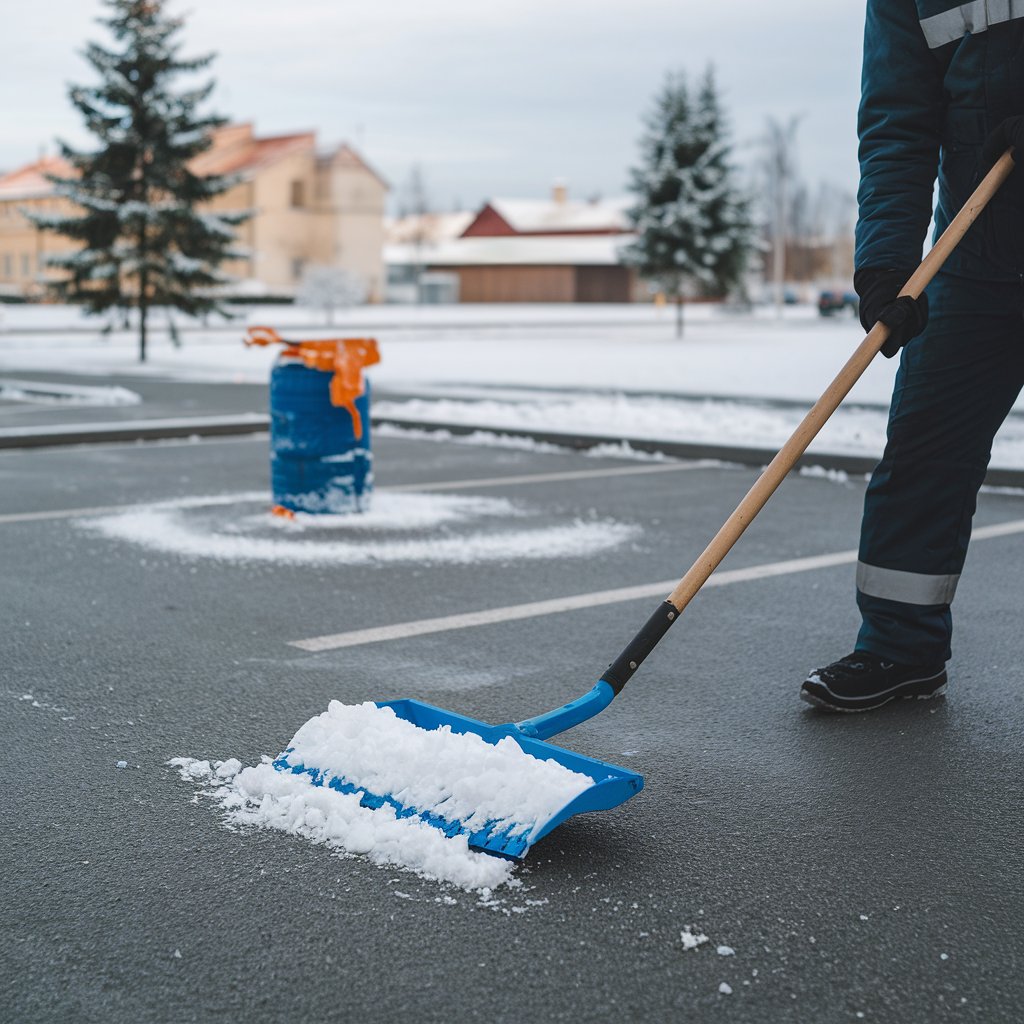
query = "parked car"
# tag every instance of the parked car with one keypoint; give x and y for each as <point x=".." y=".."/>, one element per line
<point x="832" y="302"/>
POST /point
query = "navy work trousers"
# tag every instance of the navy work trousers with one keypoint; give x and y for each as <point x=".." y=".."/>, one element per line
<point x="955" y="385"/>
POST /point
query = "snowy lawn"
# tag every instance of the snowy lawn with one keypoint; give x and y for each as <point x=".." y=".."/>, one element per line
<point x="630" y="348"/>
<point x="463" y="364"/>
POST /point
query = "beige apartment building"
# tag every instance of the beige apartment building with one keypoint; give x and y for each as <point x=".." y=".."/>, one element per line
<point x="307" y="208"/>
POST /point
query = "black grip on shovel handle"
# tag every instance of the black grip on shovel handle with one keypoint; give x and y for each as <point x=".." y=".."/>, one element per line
<point x="621" y="670"/>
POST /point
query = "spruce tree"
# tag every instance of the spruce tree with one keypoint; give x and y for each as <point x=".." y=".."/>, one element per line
<point x="692" y="220"/>
<point x="144" y="242"/>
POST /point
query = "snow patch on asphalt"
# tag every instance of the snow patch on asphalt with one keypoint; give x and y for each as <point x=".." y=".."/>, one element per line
<point x="835" y="476"/>
<point x="691" y="940"/>
<point x="48" y="393"/>
<point x="710" y="421"/>
<point x="259" y="796"/>
<point x="408" y="511"/>
<point x="852" y="430"/>
<point x="491" y="439"/>
<point x="176" y="528"/>
<point x="33" y="702"/>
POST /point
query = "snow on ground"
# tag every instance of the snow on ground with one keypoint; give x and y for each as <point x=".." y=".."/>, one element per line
<point x="581" y="346"/>
<point x="410" y="510"/>
<point x="44" y="393"/>
<point x="490" y="439"/>
<point x="385" y="534"/>
<point x="668" y="419"/>
<point x="262" y="797"/>
<point x="468" y="361"/>
<point x="850" y="431"/>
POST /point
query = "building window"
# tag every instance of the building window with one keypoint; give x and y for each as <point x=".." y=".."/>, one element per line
<point x="298" y="265"/>
<point x="26" y="264"/>
<point x="298" y="193"/>
<point x="8" y="266"/>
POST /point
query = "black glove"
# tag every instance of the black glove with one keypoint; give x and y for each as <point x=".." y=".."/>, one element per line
<point x="1007" y="133"/>
<point x="880" y="299"/>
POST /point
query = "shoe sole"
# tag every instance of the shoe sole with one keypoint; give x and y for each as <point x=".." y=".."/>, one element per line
<point x="927" y="688"/>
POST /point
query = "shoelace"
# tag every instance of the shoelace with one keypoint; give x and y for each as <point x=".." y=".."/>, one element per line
<point x="865" y="661"/>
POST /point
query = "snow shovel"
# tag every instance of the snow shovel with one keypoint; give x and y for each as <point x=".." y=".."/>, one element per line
<point x="595" y="785"/>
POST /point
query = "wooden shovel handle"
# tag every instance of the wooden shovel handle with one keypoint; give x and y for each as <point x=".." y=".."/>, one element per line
<point x="812" y="423"/>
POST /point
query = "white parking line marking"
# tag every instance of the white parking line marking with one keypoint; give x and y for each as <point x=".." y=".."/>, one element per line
<point x="195" y="441"/>
<point x="427" y="486"/>
<point x="62" y="513"/>
<point x="106" y="510"/>
<point x="543" y="478"/>
<point x="535" y="609"/>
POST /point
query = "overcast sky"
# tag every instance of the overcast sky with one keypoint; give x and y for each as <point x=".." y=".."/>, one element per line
<point x="495" y="98"/>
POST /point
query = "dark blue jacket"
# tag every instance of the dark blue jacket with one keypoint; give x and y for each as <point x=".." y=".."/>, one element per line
<point x="937" y="78"/>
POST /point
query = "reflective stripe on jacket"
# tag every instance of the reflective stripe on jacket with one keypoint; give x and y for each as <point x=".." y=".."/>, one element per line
<point x="937" y="78"/>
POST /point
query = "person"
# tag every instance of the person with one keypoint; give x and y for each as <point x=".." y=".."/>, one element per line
<point x="942" y="95"/>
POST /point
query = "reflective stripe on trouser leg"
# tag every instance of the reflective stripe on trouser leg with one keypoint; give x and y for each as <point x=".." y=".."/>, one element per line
<point x="906" y="587"/>
<point x="914" y="537"/>
<point x="955" y="385"/>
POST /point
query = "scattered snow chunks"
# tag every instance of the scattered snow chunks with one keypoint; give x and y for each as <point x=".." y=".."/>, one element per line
<point x="191" y="769"/>
<point x="725" y="951"/>
<point x="836" y="476"/>
<point x="725" y="989"/>
<point x="456" y="776"/>
<point x="691" y="941"/>
<point x="263" y="797"/>
<point x="122" y="764"/>
<point x="228" y="769"/>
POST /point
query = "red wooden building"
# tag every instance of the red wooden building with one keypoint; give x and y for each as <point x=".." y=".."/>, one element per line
<point x="525" y="250"/>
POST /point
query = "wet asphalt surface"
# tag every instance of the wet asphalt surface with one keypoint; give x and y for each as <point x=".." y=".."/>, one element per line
<point x="858" y="865"/>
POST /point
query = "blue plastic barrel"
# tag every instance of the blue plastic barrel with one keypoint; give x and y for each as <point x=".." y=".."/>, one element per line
<point x="316" y="462"/>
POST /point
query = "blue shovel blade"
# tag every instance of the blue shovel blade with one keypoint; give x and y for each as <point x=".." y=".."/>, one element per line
<point x="612" y="785"/>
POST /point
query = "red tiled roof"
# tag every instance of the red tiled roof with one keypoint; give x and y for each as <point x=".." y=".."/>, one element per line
<point x="235" y="150"/>
<point x="30" y="181"/>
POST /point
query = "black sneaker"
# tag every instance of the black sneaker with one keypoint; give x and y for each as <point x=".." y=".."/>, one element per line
<point x="863" y="681"/>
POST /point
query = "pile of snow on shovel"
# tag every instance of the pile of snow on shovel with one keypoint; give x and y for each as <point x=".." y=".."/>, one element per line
<point x="456" y="776"/>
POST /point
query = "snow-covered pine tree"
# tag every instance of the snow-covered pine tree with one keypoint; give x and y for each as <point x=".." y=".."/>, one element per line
<point x="144" y="242"/>
<point x="692" y="220"/>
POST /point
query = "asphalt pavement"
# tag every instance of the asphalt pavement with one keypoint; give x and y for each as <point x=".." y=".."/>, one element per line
<point x="860" y="867"/>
